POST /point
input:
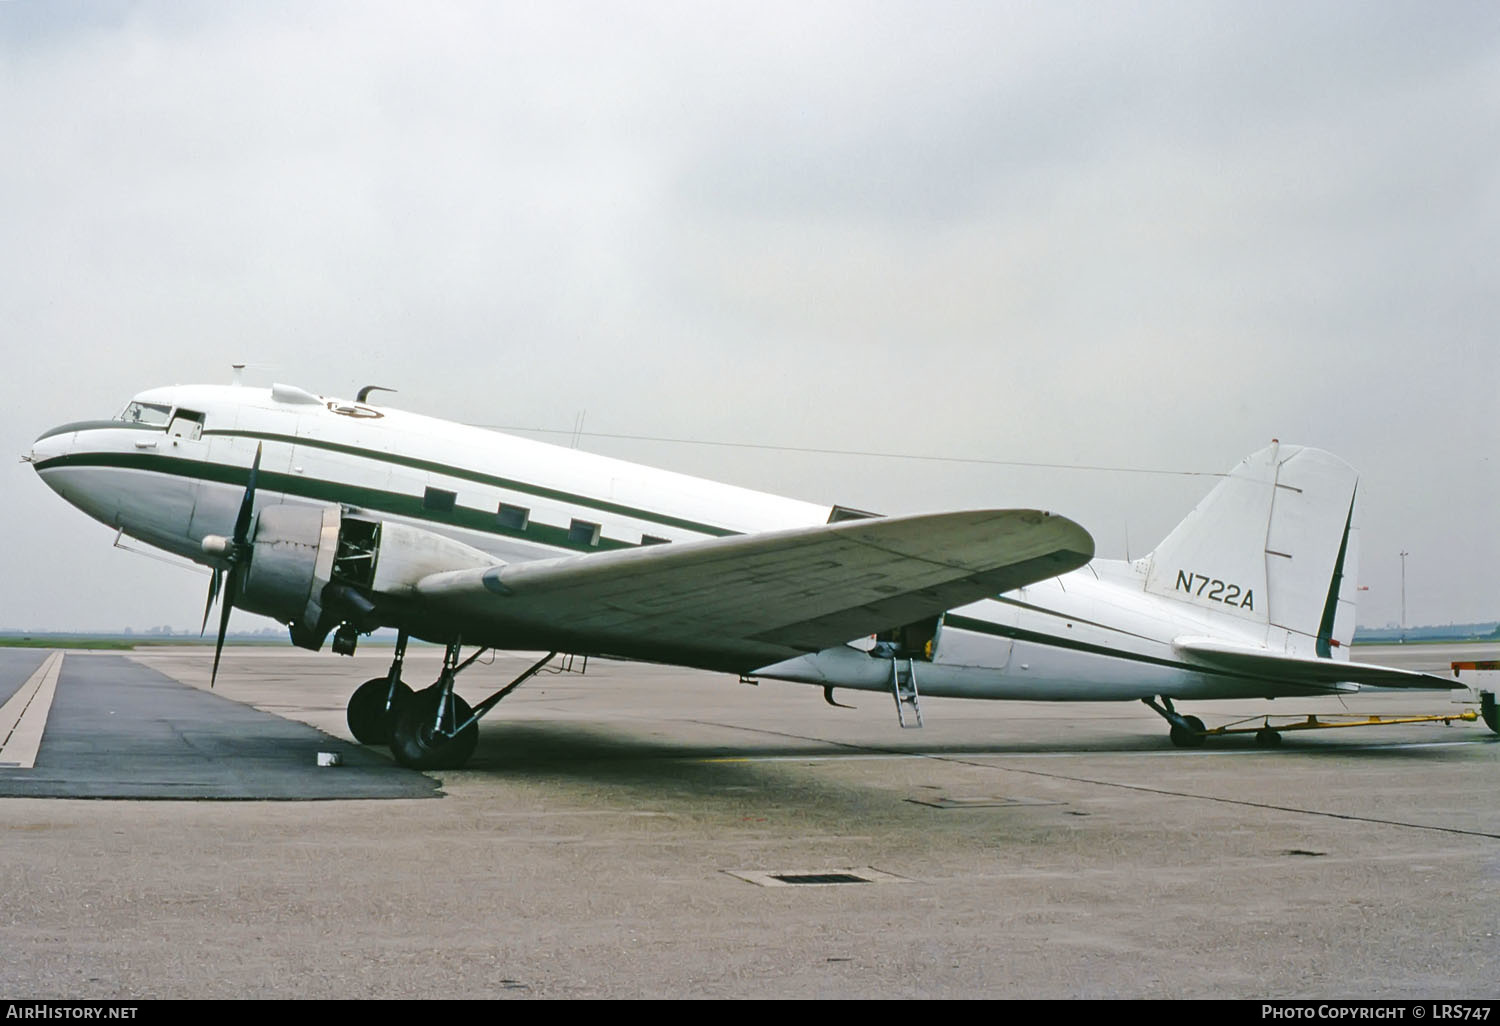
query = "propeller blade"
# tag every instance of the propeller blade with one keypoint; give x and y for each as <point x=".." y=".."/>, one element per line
<point x="239" y="556"/>
<point x="247" y="505"/>
<point x="231" y="587"/>
<point x="213" y="593"/>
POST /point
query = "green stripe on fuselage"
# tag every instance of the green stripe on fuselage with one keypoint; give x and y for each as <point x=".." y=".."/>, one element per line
<point x="463" y="473"/>
<point x="393" y="503"/>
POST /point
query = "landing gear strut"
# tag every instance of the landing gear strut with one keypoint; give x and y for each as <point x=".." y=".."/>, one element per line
<point x="435" y="728"/>
<point x="377" y="702"/>
<point x="1187" y="731"/>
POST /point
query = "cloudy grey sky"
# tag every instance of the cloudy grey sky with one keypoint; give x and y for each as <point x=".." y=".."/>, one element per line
<point x="1146" y="235"/>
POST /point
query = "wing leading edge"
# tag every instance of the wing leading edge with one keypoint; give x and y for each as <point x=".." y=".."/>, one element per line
<point x="748" y="600"/>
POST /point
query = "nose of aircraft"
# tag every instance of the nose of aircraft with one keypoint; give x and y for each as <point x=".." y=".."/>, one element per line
<point x="50" y="445"/>
<point x="61" y="459"/>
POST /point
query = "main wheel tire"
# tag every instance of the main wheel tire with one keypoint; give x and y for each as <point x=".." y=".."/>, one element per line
<point x="417" y="745"/>
<point x="1268" y="738"/>
<point x="369" y="720"/>
<point x="1190" y="736"/>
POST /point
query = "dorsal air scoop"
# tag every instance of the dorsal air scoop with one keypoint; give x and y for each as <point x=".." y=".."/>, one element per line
<point x="293" y="394"/>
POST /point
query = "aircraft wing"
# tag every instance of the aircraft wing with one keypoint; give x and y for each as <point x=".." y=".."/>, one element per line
<point x="1278" y="666"/>
<point x="744" y="601"/>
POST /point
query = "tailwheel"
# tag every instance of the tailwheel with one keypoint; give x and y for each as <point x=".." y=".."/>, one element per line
<point x="423" y="740"/>
<point x="1189" y="734"/>
<point x="1267" y="737"/>
<point x="370" y="720"/>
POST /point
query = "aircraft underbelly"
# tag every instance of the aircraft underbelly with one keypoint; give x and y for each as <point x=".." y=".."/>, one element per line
<point x="154" y="507"/>
<point x="1049" y="673"/>
<point x="95" y="490"/>
<point x="1033" y="673"/>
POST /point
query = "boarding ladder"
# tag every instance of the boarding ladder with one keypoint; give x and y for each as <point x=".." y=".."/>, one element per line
<point x="904" y="688"/>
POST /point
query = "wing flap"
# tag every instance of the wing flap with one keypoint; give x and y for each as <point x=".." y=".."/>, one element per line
<point x="1279" y="666"/>
<point x="778" y="592"/>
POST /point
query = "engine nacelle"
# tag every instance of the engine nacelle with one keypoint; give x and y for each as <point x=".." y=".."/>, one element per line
<point x="314" y="568"/>
<point x="291" y="562"/>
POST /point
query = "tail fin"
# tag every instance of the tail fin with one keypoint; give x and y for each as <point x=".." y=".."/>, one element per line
<point x="1273" y="544"/>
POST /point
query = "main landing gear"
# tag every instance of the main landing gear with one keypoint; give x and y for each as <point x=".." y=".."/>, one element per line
<point x="377" y="702"/>
<point x="428" y="729"/>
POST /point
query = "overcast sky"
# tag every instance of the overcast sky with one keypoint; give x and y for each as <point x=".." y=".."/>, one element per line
<point x="1140" y="235"/>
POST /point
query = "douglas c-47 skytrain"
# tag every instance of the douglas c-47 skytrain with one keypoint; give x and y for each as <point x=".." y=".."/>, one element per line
<point x="337" y="517"/>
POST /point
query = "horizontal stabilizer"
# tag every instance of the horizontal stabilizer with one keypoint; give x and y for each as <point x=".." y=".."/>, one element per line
<point x="1280" y="667"/>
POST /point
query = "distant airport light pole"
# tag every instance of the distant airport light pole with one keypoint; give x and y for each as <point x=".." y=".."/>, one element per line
<point x="1404" y="554"/>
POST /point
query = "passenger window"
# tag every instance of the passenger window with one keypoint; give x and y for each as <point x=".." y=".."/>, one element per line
<point x="438" y="500"/>
<point x="581" y="532"/>
<point x="514" y="518"/>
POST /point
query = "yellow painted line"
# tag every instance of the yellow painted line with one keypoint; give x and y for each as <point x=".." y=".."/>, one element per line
<point x="24" y="717"/>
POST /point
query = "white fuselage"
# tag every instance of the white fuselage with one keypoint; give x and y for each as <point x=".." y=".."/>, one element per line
<point x="1094" y="634"/>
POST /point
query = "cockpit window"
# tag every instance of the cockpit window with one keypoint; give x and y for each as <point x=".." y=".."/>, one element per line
<point x="153" y="414"/>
